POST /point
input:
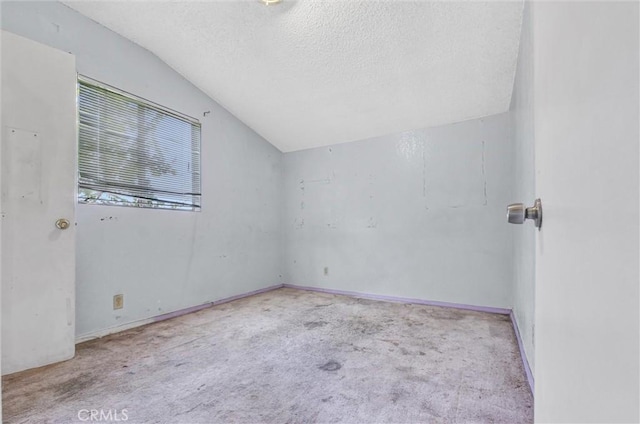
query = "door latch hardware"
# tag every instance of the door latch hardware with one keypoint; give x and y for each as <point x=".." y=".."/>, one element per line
<point x="62" y="223"/>
<point x="517" y="213"/>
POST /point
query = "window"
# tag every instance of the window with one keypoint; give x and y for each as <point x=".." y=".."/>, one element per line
<point x="135" y="153"/>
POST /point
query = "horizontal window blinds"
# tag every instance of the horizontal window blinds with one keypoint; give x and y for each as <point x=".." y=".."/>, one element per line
<point x="132" y="152"/>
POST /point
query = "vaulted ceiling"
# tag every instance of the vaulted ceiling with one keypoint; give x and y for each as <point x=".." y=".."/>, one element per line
<point x="309" y="73"/>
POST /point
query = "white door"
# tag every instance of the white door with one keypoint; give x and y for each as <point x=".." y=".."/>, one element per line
<point x="38" y="188"/>
<point x="586" y="134"/>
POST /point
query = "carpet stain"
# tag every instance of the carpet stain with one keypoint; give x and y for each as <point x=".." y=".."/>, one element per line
<point x="314" y="324"/>
<point x="74" y="386"/>
<point x="330" y="366"/>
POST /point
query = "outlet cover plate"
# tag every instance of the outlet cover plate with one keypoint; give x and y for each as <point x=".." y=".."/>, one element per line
<point x="118" y="301"/>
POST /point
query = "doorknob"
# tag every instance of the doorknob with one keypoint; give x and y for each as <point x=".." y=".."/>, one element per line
<point x="62" y="223"/>
<point x="517" y="213"/>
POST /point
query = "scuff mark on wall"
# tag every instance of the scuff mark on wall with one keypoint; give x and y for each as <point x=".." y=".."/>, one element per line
<point x="322" y="181"/>
<point x="407" y="146"/>
<point x="424" y="173"/>
<point x="70" y="312"/>
<point x="484" y="176"/>
<point x="299" y="222"/>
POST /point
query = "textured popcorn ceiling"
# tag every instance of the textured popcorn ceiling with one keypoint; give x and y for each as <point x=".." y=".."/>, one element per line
<point x="312" y="73"/>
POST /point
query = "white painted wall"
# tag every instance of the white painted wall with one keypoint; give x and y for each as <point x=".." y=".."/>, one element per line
<point x="524" y="189"/>
<point x="586" y="111"/>
<point x="418" y="214"/>
<point x="164" y="261"/>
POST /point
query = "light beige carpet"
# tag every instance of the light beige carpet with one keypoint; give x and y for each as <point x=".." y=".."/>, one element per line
<point x="289" y="356"/>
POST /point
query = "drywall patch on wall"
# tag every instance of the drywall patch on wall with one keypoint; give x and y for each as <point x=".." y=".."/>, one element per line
<point x="375" y="229"/>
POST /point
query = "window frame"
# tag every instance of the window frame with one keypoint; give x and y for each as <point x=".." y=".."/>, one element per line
<point x="107" y="198"/>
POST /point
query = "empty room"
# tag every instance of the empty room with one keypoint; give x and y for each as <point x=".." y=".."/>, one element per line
<point x="306" y="211"/>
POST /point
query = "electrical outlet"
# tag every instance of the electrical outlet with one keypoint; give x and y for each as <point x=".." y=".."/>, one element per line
<point x="118" y="301"/>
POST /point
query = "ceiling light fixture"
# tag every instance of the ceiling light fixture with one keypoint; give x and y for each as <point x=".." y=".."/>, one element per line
<point x="270" y="2"/>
